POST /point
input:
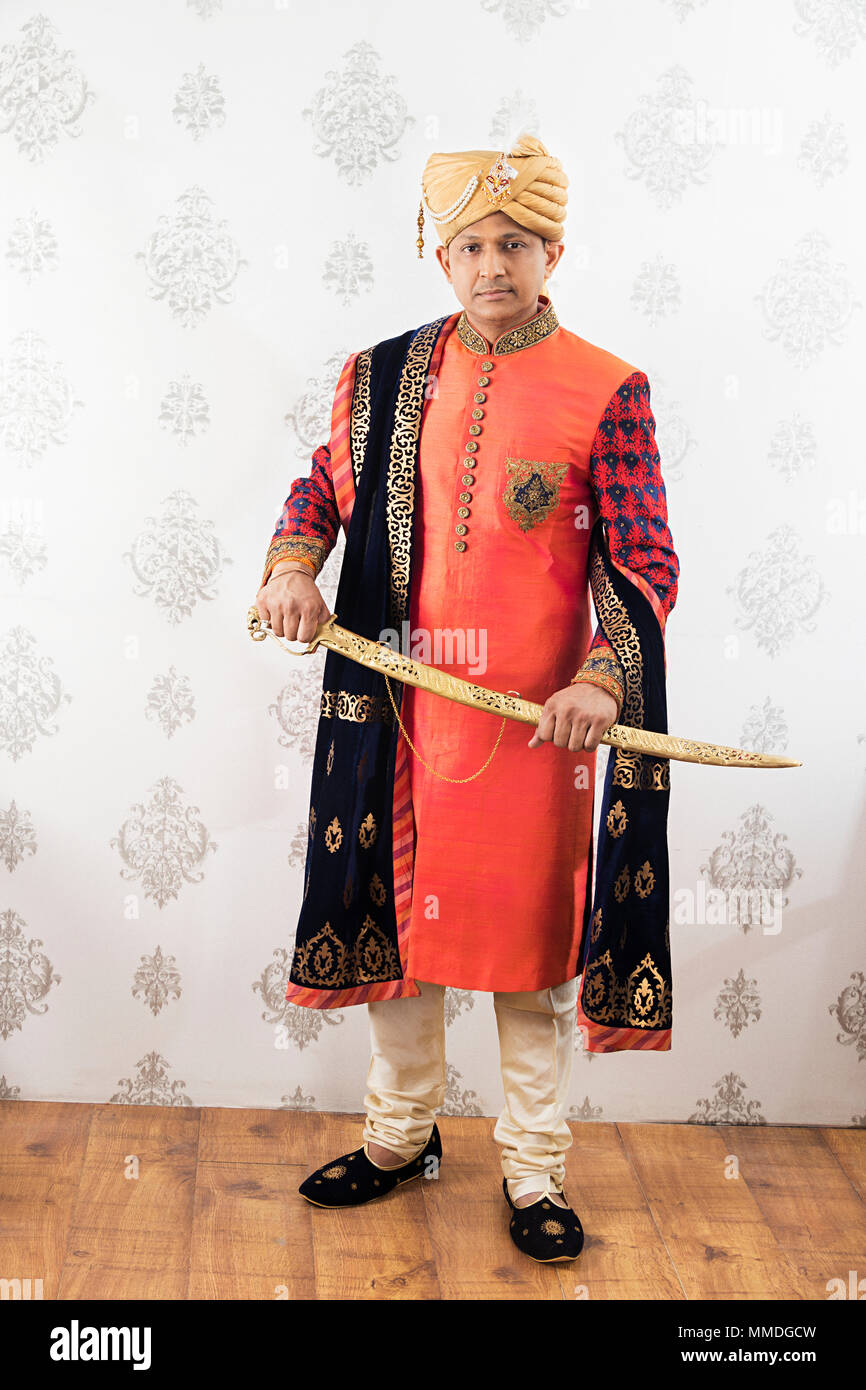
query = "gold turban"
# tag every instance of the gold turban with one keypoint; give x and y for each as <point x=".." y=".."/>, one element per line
<point x="527" y="184"/>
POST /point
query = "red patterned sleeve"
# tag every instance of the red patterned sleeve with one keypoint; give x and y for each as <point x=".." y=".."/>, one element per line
<point x="625" y="472"/>
<point x="307" y="528"/>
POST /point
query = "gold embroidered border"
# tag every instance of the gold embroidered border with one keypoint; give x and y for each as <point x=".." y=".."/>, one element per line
<point x="324" y="962"/>
<point x="604" y="681"/>
<point x="469" y="338"/>
<point x="375" y="957"/>
<point x="401" y="464"/>
<point x="603" y="659"/>
<point x="638" y="770"/>
<point x="642" y="771"/>
<point x="294" y="548"/>
<point x="527" y="333"/>
<point x="643" y="1000"/>
<point x="359" y="426"/>
<point x="602" y="669"/>
<point x="340" y="704"/>
<point x="621" y="634"/>
<point x="523" y="336"/>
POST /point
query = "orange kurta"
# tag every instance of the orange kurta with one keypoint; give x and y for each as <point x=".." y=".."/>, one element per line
<point x="501" y="862"/>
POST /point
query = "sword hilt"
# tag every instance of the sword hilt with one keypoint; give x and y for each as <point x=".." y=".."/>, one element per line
<point x="259" y="628"/>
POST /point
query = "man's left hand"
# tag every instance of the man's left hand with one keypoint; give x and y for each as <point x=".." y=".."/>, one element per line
<point x="576" y="717"/>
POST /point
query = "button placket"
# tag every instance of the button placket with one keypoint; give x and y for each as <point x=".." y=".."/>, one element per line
<point x="469" y="461"/>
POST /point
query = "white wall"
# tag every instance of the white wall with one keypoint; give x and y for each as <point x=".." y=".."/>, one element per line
<point x="198" y="224"/>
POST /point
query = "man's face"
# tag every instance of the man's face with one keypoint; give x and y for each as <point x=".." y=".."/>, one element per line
<point x="497" y="269"/>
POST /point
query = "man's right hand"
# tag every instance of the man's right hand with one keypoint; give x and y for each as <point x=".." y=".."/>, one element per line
<point x="293" y="605"/>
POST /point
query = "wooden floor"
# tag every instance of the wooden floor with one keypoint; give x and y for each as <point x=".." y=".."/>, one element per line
<point x="214" y="1210"/>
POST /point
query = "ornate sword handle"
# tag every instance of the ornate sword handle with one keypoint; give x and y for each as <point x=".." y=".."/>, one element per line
<point x="259" y="628"/>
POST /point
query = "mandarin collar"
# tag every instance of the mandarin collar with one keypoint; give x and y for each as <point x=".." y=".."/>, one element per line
<point x="534" y="330"/>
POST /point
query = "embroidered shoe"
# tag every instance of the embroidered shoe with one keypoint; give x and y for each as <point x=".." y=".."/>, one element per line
<point x="353" y="1179"/>
<point x="545" y="1231"/>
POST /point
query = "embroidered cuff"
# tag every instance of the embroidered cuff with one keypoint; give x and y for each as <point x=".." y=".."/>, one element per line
<point x="309" y="548"/>
<point x="602" y="668"/>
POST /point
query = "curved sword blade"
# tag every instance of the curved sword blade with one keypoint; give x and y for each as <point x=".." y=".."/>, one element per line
<point x="378" y="657"/>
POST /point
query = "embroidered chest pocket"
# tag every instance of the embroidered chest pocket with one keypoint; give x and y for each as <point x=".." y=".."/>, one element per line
<point x="532" y="490"/>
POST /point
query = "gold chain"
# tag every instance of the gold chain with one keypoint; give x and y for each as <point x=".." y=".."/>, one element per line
<point x="441" y="775"/>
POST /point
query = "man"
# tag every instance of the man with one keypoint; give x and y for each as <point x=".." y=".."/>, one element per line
<point x="485" y="467"/>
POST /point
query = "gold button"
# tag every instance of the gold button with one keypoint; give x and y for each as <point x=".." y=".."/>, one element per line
<point x="469" y="463"/>
<point x="477" y="414"/>
<point x="459" y="545"/>
<point x="462" y="511"/>
<point x="487" y="366"/>
<point x="466" y="497"/>
<point x="484" y="381"/>
<point x="479" y="397"/>
<point x="461" y="529"/>
<point x="467" y="479"/>
<point x="474" y="429"/>
<point x="471" y="444"/>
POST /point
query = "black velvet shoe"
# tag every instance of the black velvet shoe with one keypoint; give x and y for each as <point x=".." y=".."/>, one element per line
<point x="353" y="1179"/>
<point x="545" y="1231"/>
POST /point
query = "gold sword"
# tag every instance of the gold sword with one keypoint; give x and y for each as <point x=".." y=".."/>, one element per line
<point x="379" y="657"/>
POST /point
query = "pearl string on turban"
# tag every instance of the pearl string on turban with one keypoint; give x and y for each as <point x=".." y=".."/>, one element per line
<point x="527" y="183"/>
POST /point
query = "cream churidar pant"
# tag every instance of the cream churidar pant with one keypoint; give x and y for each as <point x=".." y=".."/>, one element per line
<point x="406" y="1078"/>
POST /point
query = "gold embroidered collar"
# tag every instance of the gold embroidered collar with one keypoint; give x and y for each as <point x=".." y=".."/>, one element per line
<point x="540" y="326"/>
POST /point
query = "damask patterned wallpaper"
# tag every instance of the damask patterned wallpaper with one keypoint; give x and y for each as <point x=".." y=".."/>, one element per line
<point x="206" y="206"/>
